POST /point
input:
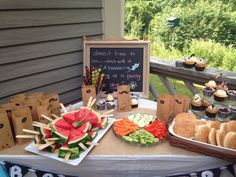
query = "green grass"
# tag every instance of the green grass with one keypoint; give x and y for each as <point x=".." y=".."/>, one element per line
<point x="179" y="86"/>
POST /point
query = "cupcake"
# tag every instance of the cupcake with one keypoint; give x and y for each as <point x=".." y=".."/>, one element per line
<point x="134" y="103"/>
<point x="232" y="94"/>
<point x="205" y="104"/>
<point x="223" y="112"/>
<point x="211" y="84"/>
<point x="220" y="95"/>
<point x="110" y="98"/>
<point x="196" y="103"/>
<point x="110" y="105"/>
<point x="208" y="91"/>
<point x="211" y="111"/>
<point x="222" y="86"/>
<point x="233" y="112"/>
<point x="101" y="105"/>
<point x="189" y="62"/>
<point x="200" y="65"/>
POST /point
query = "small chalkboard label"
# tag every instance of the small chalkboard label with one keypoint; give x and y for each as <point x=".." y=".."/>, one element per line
<point x="123" y="62"/>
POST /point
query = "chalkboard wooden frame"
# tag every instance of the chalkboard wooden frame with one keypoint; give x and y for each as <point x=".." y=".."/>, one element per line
<point x="123" y="44"/>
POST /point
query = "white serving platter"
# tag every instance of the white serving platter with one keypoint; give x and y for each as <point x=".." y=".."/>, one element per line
<point x="198" y="143"/>
<point x="34" y="149"/>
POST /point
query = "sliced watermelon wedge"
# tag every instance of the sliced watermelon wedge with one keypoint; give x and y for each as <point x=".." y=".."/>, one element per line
<point x="62" y="134"/>
<point x="70" y="117"/>
<point x="85" y="127"/>
<point x="52" y="148"/>
<point x="75" y="139"/>
<point x="93" y="134"/>
<point x="93" y="118"/>
<point x="37" y="139"/>
<point x="81" y="113"/>
<point x="61" y="123"/>
<point x="45" y="132"/>
<point x="64" y="149"/>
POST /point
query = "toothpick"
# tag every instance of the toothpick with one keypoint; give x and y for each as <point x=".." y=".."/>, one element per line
<point x="37" y="125"/>
<point x="109" y="115"/>
<point x="52" y="139"/>
<point x="30" y="131"/>
<point x="25" y="136"/>
<point x="92" y="143"/>
<point x="63" y="107"/>
<point x="55" y="116"/>
<point x="83" y="146"/>
<point x="46" y="145"/>
<point x="46" y="117"/>
<point x="40" y="123"/>
<point x="108" y="112"/>
<point x="67" y="156"/>
<point x="89" y="101"/>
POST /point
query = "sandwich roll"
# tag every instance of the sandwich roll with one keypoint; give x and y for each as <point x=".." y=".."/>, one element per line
<point x="230" y="140"/>
<point x="223" y="126"/>
<point x="200" y="122"/>
<point x="220" y="134"/>
<point x="201" y="133"/>
<point x="231" y="126"/>
<point x="212" y="136"/>
<point x="213" y="124"/>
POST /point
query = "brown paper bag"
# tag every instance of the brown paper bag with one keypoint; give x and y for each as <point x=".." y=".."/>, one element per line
<point x="43" y="110"/>
<point x="8" y="108"/>
<point x="18" y="100"/>
<point x="52" y="101"/>
<point x="123" y="98"/>
<point x="6" y="140"/>
<point x="178" y="104"/>
<point x="87" y="92"/>
<point x="39" y="96"/>
<point x="164" y="107"/>
<point x="33" y="103"/>
<point x="22" y="119"/>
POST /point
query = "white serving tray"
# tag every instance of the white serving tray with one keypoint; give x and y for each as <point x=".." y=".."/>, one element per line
<point x="209" y="146"/>
<point x="34" y="149"/>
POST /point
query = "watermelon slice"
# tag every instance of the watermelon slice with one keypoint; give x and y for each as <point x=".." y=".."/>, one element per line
<point x="70" y="117"/>
<point x="52" y="148"/>
<point x="45" y="132"/>
<point x="81" y="113"/>
<point x="93" y="134"/>
<point x="74" y="140"/>
<point x="37" y="139"/>
<point x="61" y="123"/>
<point x="64" y="149"/>
<point x="93" y="118"/>
<point x="62" y="134"/>
<point x="85" y="127"/>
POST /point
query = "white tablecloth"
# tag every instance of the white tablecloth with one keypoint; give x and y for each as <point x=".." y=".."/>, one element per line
<point x="122" y="166"/>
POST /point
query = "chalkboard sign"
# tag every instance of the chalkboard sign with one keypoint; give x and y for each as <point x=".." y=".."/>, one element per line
<point x="123" y="62"/>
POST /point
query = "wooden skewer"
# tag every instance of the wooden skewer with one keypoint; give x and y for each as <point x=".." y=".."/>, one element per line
<point x="89" y="101"/>
<point x="40" y="123"/>
<point x="92" y="143"/>
<point x="108" y="112"/>
<point x="25" y="136"/>
<point x="63" y="107"/>
<point x="30" y="131"/>
<point x="46" y="145"/>
<point x="83" y="146"/>
<point x="37" y="125"/>
<point x="46" y="117"/>
<point x="67" y="156"/>
<point x="55" y="116"/>
<point x="92" y="103"/>
<point x="52" y="139"/>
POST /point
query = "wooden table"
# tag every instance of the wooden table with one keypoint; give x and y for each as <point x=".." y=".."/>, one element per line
<point x="114" y="157"/>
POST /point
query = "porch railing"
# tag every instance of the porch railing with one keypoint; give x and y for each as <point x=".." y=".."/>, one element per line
<point x="166" y="69"/>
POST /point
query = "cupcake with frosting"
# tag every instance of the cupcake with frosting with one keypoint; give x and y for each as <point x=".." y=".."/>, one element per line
<point x="109" y="98"/>
<point x="200" y="65"/>
<point x="224" y="112"/>
<point x="134" y="103"/>
<point x="220" y="95"/>
<point x="205" y="104"/>
<point x="211" y="84"/>
<point x="190" y="62"/>
<point x="211" y="111"/>
<point x="232" y="94"/>
<point x="196" y="103"/>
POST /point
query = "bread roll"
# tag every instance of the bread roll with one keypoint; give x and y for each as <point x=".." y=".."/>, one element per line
<point x="230" y="140"/>
<point x="212" y="136"/>
<point x="185" y="117"/>
<point x="223" y="126"/>
<point x="220" y="134"/>
<point x="200" y="122"/>
<point x="213" y="124"/>
<point x="201" y="133"/>
<point x="231" y="126"/>
<point x="184" y="128"/>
